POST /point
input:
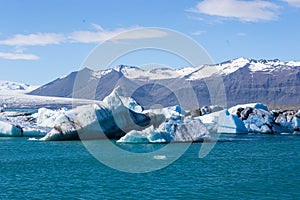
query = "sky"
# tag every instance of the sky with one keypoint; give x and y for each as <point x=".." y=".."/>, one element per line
<point x="41" y="40"/>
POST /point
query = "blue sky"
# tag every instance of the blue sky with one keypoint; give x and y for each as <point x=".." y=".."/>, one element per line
<point x="43" y="40"/>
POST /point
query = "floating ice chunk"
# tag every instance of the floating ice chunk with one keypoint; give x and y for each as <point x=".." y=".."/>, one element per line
<point x="33" y="139"/>
<point x="107" y="119"/>
<point x="210" y="119"/>
<point x="160" y="157"/>
<point x="171" y="131"/>
<point x="259" y="121"/>
<point x="48" y="118"/>
<point x="234" y="109"/>
<point x="8" y="130"/>
<point x="296" y="122"/>
<point x="230" y="123"/>
<point x="33" y="132"/>
<point x="282" y="120"/>
<point x="148" y="135"/>
<point x="254" y="122"/>
<point x="131" y="104"/>
<point x="266" y="129"/>
<point x="194" y="130"/>
<point x="253" y="128"/>
<point x="169" y="112"/>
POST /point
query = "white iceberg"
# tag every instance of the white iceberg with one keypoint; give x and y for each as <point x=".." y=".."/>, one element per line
<point x="48" y="118"/>
<point x="131" y="104"/>
<point x="234" y="109"/>
<point x="229" y="123"/>
<point x="107" y="119"/>
<point x="190" y="130"/>
<point x="211" y="120"/>
<point x="9" y="130"/>
<point x="259" y="121"/>
<point x="296" y="122"/>
<point x="33" y="132"/>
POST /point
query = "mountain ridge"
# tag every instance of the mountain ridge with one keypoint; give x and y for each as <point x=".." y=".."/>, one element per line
<point x="245" y="81"/>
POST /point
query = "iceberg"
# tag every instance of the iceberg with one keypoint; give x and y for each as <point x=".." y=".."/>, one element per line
<point x="258" y="120"/>
<point x="33" y="132"/>
<point x="211" y="120"/>
<point x="48" y="118"/>
<point x="229" y="123"/>
<point x="9" y="130"/>
<point x="234" y="109"/>
<point x="296" y="122"/>
<point x="131" y="104"/>
<point x="107" y="119"/>
<point x="177" y="127"/>
<point x="190" y="130"/>
<point x="244" y="118"/>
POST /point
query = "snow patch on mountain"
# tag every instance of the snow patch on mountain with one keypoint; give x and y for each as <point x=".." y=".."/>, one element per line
<point x="8" y="85"/>
<point x="271" y="65"/>
<point x="198" y="72"/>
<point x="232" y="66"/>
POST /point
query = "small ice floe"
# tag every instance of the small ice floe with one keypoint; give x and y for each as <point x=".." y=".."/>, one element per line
<point x="159" y="157"/>
<point x="33" y="139"/>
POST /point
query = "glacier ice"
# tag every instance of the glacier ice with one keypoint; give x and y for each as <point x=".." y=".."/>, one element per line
<point x="176" y="128"/>
<point x="296" y="122"/>
<point x="48" y="118"/>
<point x="173" y="130"/>
<point x="234" y="109"/>
<point x="33" y="132"/>
<point x="259" y="121"/>
<point x="9" y="130"/>
<point x="131" y="104"/>
<point x="107" y="119"/>
<point x="251" y="118"/>
<point x="228" y="123"/>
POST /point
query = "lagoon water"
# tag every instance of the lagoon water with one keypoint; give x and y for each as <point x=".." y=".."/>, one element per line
<point x="239" y="167"/>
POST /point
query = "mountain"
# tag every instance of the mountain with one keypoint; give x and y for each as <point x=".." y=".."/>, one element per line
<point x="245" y="81"/>
<point x="14" y="86"/>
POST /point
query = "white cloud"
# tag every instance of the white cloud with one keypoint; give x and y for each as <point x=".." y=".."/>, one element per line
<point x="20" y="41"/>
<point x="37" y="39"/>
<point x="100" y="35"/>
<point x="119" y="34"/>
<point x="294" y="3"/>
<point x="140" y="34"/>
<point x="248" y="11"/>
<point x="18" y="56"/>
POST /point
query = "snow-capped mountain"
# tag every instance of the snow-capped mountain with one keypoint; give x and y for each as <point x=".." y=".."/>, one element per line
<point x="9" y="86"/>
<point x="245" y="80"/>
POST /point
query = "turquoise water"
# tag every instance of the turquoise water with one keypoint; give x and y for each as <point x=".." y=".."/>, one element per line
<point x="245" y="167"/>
